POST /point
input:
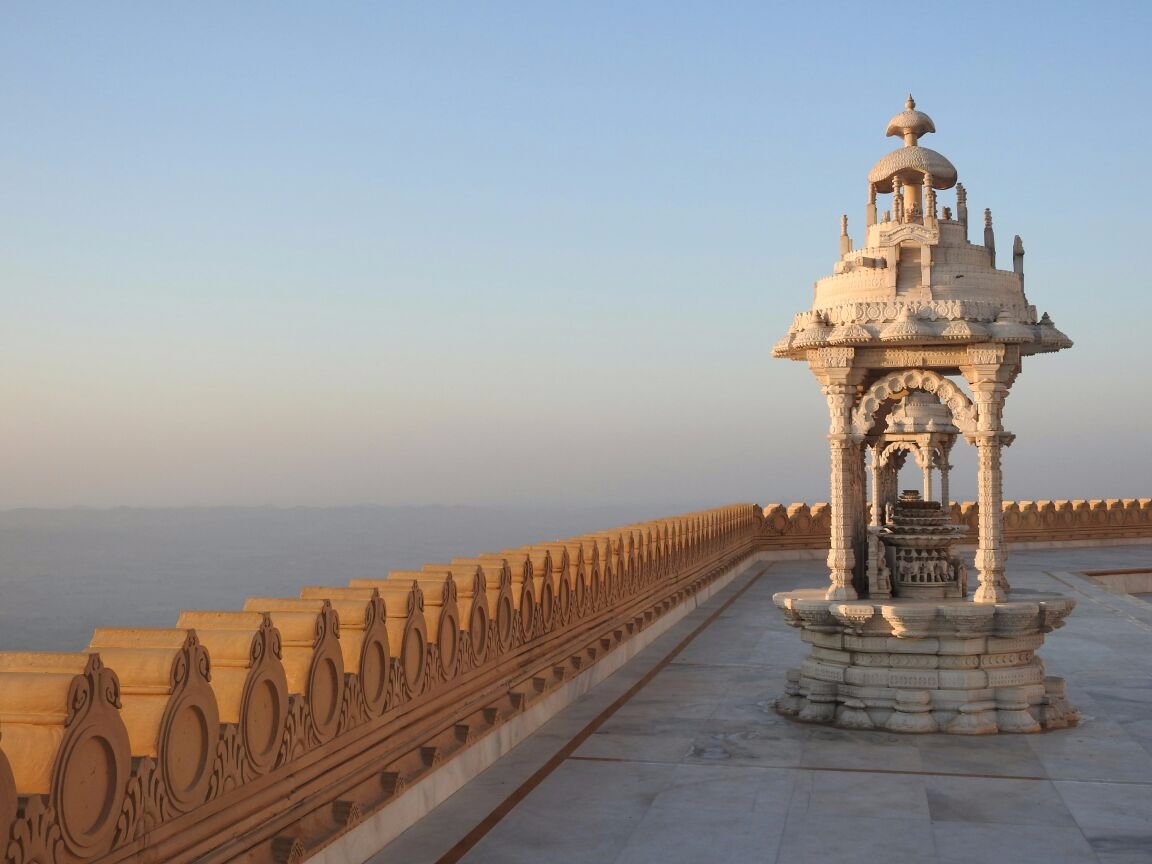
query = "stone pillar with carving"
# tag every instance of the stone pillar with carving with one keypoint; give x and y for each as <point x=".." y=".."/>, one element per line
<point x="841" y="554"/>
<point x="944" y="466"/>
<point x="860" y="509"/>
<point x="877" y="488"/>
<point x="839" y="381"/>
<point x="990" y="553"/>
<point x="892" y="476"/>
<point x="989" y="373"/>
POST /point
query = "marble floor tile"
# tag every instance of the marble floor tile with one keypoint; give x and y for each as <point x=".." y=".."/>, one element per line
<point x="644" y="748"/>
<point x="748" y="746"/>
<point x="986" y="843"/>
<point x="1126" y="807"/>
<point x="1096" y="750"/>
<point x="996" y="756"/>
<point x="814" y="839"/>
<point x="837" y="794"/>
<point x="996" y="800"/>
<point x="866" y="751"/>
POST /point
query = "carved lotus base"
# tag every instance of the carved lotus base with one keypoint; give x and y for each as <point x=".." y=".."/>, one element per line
<point x="947" y="666"/>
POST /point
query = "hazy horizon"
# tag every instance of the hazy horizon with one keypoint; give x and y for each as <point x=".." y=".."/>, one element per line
<point x="276" y="255"/>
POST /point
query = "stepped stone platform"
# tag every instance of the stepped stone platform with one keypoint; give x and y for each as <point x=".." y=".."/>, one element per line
<point x="680" y="755"/>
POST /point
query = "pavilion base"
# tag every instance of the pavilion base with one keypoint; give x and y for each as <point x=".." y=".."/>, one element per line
<point x="950" y="666"/>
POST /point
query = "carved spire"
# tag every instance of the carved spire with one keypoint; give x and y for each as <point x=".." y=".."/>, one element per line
<point x="1018" y="256"/>
<point x="989" y="236"/>
<point x="845" y="240"/>
<point x="910" y="124"/>
<point x="962" y="207"/>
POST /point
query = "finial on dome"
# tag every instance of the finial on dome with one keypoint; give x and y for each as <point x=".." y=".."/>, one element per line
<point x="910" y="124"/>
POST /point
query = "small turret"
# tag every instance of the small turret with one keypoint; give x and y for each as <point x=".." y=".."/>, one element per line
<point x="962" y="207"/>
<point x="1018" y="258"/>
<point x="989" y="236"/>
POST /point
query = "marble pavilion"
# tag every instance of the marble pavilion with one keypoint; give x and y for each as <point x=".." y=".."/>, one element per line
<point x="896" y="642"/>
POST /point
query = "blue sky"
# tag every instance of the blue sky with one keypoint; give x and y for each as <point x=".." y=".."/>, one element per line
<point x="527" y="253"/>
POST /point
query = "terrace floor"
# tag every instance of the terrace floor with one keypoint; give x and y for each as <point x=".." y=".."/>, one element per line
<point x="679" y="757"/>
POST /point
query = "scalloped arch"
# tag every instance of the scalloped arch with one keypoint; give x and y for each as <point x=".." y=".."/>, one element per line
<point x="895" y="384"/>
<point x="918" y="453"/>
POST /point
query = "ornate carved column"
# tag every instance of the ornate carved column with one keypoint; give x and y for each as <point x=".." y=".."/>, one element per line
<point x="926" y="465"/>
<point x="839" y="381"/>
<point x="877" y="488"/>
<point x="892" y="476"/>
<point x="841" y="557"/>
<point x="860" y="510"/>
<point x="945" y="467"/>
<point x="990" y="553"/>
<point x="990" y="370"/>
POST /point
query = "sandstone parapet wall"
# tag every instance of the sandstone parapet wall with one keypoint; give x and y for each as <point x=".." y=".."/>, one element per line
<point x="263" y="734"/>
<point x="803" y="526"/>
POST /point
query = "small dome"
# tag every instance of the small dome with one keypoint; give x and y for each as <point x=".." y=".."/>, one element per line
<point x="1050" y="337"/>
<point x="903" y="329"/>
<point x="849" y="334"/>
<point x="910" y="124"/>
<point x="780" y="349"/>
<point x="815" y="334"/>
<point x="964" y="330"/>
<point x="1005" y="329"/>
<point x="913" y="160"/>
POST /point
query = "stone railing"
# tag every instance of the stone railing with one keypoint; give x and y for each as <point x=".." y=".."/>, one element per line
<point x="266" y="734"/>
<point x="800" y="526"/>
<point x="1067" y="521"/>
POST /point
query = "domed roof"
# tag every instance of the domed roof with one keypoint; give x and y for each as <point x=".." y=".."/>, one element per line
<point x="912" y="162"/>
<point x="910" y="123"/>
<point x="916" y="159"/>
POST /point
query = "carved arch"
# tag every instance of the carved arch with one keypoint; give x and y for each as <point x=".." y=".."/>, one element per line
<point x="893" y="386"/>
<point x="918" y="452"/>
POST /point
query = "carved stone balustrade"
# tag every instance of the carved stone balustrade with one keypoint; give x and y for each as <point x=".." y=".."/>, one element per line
<point x="543" y="585"/>
<point x="65" y="741"/>
<point x="248" y="680"/>
<point x="522" y="588"/>
<point x="407" y="629"/>
<point x="472" y="597"/>
<point x="167" y="705"/>
<point x="501" y="602"/>
<point x="363" y="639"/>
<point x="442" y="612"/>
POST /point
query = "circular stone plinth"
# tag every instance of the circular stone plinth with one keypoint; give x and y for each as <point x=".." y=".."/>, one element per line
<point x="925" y="666"/>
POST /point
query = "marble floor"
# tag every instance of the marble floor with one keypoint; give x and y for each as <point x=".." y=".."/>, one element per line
<point x="679" y="757"/>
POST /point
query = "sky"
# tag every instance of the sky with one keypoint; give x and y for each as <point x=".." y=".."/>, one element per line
<point x="280" y="253"/>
